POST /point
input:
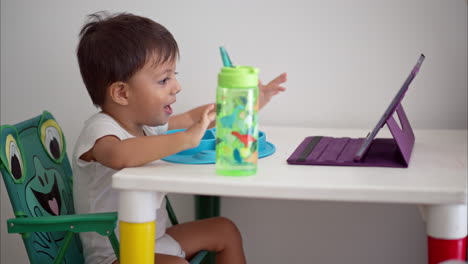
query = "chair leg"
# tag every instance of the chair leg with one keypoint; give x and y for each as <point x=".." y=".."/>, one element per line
<point x="199" y="257"/>
<point x="64" y="247"/>
<point x="115" y="244"/>
<point x="171" y="213"/>
<point x="206" y="207"/>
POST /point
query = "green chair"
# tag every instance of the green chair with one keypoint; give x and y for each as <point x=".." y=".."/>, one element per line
<point x="37" y="175"/>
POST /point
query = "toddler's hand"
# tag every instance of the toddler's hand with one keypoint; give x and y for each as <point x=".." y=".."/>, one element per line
<point x="198" y="129"/>
<point x="266" y="92"/>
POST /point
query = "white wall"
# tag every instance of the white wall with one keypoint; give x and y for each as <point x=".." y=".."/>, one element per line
<point x="337" y="53"/>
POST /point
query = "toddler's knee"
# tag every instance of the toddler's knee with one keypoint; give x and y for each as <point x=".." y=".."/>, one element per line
<point x="178" y="261"/>
<point x="181" y="261"/>
<point x="228" y="227"/>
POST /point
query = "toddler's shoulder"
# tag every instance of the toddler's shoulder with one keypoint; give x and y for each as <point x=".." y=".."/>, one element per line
<point x="101" y="121"/>
<point x="100" y="125"/>
<point x="98" y="118"/>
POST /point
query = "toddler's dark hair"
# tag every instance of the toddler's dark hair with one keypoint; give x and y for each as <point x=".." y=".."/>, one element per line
<point x="114" y="47"/>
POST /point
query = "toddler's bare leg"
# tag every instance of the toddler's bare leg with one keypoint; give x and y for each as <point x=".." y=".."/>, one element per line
<point x="217" y="234"/>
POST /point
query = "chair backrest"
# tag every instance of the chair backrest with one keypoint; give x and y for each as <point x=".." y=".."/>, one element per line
<point x="37" y="175"/>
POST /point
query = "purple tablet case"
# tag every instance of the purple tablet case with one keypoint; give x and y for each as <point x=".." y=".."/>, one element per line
<point x="381" y="152"/>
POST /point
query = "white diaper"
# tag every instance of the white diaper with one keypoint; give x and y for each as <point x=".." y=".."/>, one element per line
<point x="169" y="246"/>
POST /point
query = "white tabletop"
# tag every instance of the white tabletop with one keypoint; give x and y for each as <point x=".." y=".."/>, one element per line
<point x="437" y="173"/>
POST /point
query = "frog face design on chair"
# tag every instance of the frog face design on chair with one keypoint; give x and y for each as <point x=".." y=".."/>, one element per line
<point x="44" y="192"/>
<point x="37" y="175"/>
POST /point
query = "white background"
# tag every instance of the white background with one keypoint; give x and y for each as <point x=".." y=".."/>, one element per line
<point x="345" y="61"/>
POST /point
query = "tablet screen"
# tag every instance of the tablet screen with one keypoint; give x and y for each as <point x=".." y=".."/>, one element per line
<point x="389" y="112"/>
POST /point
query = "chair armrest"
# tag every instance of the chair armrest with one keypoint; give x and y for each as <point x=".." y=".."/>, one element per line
<point x="102" y="223"/>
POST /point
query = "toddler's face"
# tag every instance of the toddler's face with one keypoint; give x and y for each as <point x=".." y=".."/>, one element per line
<point x="153" y="90"/>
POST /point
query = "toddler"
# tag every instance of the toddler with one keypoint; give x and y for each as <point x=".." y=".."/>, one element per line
<point x="128" y="65"/>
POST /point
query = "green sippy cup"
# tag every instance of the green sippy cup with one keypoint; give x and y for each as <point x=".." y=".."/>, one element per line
<point x="237" y="121"/>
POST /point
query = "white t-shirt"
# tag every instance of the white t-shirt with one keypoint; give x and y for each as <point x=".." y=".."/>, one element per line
<point x="92" y="186"/>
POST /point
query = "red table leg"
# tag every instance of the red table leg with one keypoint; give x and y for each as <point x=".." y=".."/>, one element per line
<point x="443" y="249"/>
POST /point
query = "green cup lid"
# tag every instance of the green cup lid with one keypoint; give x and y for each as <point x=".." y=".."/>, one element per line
<point x="238" y="77"/>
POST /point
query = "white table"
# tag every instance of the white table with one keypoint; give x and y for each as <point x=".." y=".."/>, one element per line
<point x="436" y="180"/>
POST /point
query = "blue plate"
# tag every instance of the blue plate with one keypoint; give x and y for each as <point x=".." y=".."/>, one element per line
<point x="205" y="153"/>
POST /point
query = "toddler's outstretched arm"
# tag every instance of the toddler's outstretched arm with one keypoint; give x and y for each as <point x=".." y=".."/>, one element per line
<point x="266" y="92"/>
<point x="118" y="154"/>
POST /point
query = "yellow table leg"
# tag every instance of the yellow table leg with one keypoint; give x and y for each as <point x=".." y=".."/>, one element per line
<point x="137" y="216"/>
<point x="137" y="242"/>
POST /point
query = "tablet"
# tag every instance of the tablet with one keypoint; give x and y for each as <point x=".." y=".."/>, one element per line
<point x="389" y="112"/>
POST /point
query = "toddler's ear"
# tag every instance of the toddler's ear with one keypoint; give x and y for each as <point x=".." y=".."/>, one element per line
<point x="118" y="92"/>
